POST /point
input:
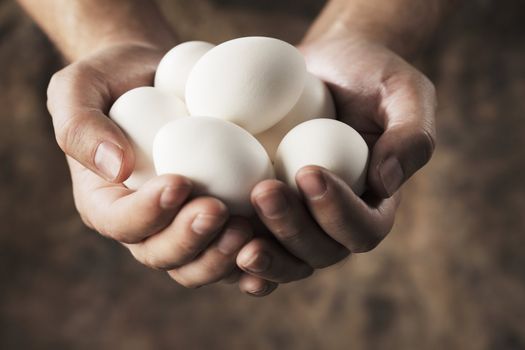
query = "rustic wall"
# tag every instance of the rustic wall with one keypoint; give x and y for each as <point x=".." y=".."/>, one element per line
<point x="450" y="276"/>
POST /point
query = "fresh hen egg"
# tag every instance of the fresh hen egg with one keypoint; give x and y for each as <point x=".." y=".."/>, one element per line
<point x="175" y="67"/>
<point x="253" y="82"/>
<point x="222" y="159"/>
<point x="140" y="113"/>
<point x="315" y="102"/>
<point x="328" y="143"/>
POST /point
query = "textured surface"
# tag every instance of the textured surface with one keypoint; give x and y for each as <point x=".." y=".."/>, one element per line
<point x="450" y="276"/>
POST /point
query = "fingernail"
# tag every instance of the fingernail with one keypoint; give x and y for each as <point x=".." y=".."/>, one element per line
<point x="273" y="204"/>
<point x="206" y="224"/>
<point x="231" y="241"/>
<point x="391" y="175"/>
<point x="313" y="184"/>
<point x="172" y="197"/>
<point x="108" y="160"/>
<point x="259" y="262"/>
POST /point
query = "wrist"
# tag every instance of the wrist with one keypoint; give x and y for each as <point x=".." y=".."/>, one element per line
<point x="403" y="26"/>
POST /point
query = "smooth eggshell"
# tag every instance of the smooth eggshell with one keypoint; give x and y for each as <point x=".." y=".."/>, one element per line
<point x="253" y="82"/>
<point x="222" y="159"/>
<point x="315" y="102"/>
<point x="175" y="67"/>
<point x="140" y="113"/>
<point x="327" y="143"/>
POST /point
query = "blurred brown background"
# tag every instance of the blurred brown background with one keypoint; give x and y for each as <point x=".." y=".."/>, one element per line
<point x="450" y="276"/>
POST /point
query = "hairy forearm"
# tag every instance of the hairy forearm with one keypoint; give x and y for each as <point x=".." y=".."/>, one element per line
<point x="80" y="27"/>
<point x="402" y="25"/>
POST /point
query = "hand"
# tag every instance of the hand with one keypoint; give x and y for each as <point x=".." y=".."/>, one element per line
<point x="195" y="241"/>
<point x="392" y="105"/>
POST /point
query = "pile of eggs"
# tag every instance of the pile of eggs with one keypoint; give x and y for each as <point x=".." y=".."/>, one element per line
<point x="232" y="115"/>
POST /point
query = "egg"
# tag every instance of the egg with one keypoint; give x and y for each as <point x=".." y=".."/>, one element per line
<point x="222" y="159"/>
<point x="253" y="82"/>
<point x="315" y="102"/>
<point x="140" y="113"/>
<point x="175" y="67"/>
<point x="327" y="143"/>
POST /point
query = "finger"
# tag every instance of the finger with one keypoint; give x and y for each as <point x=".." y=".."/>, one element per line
<point x="286" y="217"/>
<point x="125" y="215"/>
<point x="130" y="217"/>
<point x="342" y="214"/>
<point x="218" y="260"/>
<point x="256" y="286"/>
<point x="77" y="97"/>
<point x="408" y="105"/>
<point x="266" y="259"/>
<point x="194" y="227"/>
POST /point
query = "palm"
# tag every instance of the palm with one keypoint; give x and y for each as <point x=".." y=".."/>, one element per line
<point x="356" y="76"/>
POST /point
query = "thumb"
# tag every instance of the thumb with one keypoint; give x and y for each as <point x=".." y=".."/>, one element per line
<point x="76" y="100"/>
<point x="408" y="141"/>
<point x="396" y="156"/>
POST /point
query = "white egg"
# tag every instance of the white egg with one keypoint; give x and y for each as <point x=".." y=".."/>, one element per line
<point x="327" y="143"/>
<point x="222" y="159"/>
<point x="140" y="113"/>
<point x="315" y="102"/>
<point x="175" y="67"/>
<point x="253" y="82"/>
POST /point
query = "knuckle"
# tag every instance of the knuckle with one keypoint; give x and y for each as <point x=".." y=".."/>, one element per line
<point x="366" y="243"/>
<point x="426" y="142"/>
<point x="85" y="220"/>
<point x="287" y="233"/>
<point x="177" y="181"/>
<point x="369" y="236"/>
<point x="184" y="280"/>
<point x="188" y="248"/>
<point x="307" y="272"/>
<point x="214" y="206"/>
<point x="53" y="91"/>
<point x="105" y="228"/>
<point x="68" y="133"/>
<point x="332" y="259"/>
<point x="62" y="80"/>
<point x="153" y="261"/>
<point x="257" y="245"/>
<point x="426" y="136"/>
<point x="118" y="233"/>
<point x="191" y="284"/>
<point x="428" y="86"/>
<point x="140" y="255"/>
<point x="121" y="237"/>
<point x="67" y="123"/>
<point x="303" y="272"/>
<point x="81" y="212"/>
<point x="213" y="271"/>
<point x="59" y="77"/>
<point x="54" y="82"/>
<point x="266" y="186"/>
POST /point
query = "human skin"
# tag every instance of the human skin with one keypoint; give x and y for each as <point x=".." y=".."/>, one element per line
<point x="115" y="46"/>
<point x="353" y="46"/>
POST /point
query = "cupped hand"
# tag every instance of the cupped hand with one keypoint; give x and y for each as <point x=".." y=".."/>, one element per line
<point x="392" y="106"/>
<point x="194" y="239"/>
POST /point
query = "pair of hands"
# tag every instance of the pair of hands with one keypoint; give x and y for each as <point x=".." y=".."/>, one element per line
<point x="195" y="240"/>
